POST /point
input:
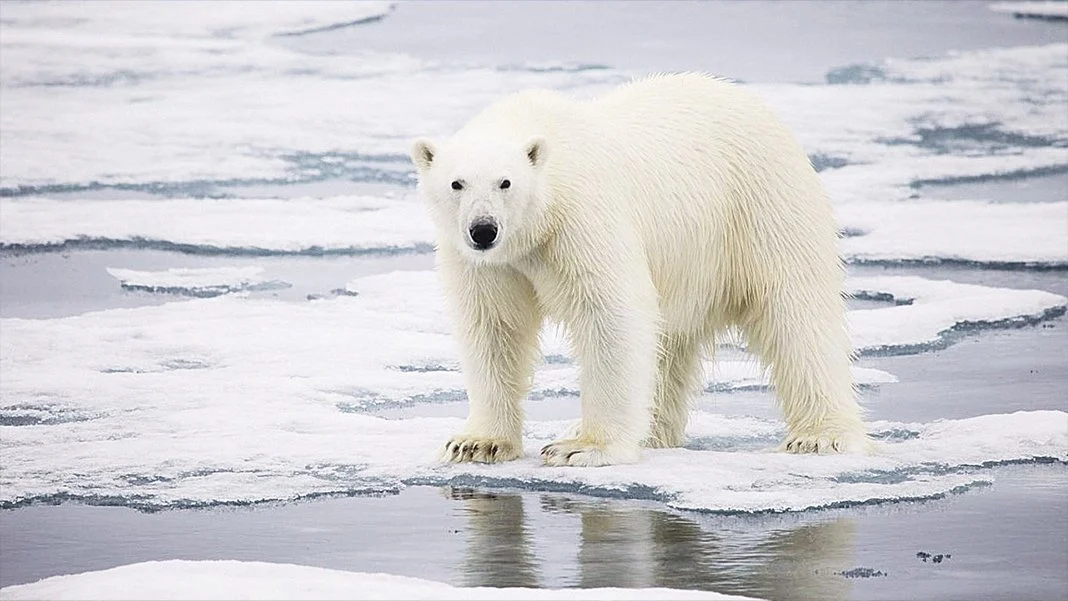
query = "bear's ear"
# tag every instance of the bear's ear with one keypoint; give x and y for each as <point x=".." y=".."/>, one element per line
<point x="423" y="152"/>
<point x="536" y="151"/>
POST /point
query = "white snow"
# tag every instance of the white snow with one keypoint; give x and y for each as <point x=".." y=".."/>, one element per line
<point x="1049" y="9"/>
<point x="237" y="399"/>
<point x="207" y="580"/>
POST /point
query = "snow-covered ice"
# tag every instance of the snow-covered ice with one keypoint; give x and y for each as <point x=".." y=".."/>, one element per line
<point x="178" y="579"/>
<point x="349" y="224"/>
<point x="1002" y="234"/>
<point x="928" y="310"/>
<point x="238" y="399"/>
<point x="196" y="281"/>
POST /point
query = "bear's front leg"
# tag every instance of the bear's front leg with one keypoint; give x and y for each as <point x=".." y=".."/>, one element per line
<point x="496" y="319"/>
<point x="614" y="329"/>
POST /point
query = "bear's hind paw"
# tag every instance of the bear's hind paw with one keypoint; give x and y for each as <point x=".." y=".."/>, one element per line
<point x="475" y="449"/>
<point x="577" y="452"/>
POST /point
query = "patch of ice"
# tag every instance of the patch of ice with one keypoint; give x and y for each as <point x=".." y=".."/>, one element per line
<point x="196" y="281"/>
<point x="938" y="307"/>
<point x="236" y="399"/>
<point x="264" y="226"/>
<point x="1048" y="9"/>
<point x="179" y="579"/>
<point x="285" y="456"/>
<point x="957" y="231"/>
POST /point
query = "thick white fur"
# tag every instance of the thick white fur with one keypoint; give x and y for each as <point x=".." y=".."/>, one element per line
<point x="646" y="221"/>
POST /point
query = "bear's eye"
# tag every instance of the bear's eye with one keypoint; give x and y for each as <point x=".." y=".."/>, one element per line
<point x="505" y="184"/>
<point x="456" y="185"/>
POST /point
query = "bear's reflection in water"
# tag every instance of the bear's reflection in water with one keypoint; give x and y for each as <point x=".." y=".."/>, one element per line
<point x="621" y="545"/>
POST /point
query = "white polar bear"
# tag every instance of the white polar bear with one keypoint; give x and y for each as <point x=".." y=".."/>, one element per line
<point x="646" y="221"/>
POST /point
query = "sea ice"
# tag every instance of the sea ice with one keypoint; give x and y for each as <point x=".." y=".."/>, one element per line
<point x="125" y="97"/>
<point x="196" y="281"/>
<point x="235" y="399"/>
<point x="1014" y="235"/>
<point x="178" y="579"/>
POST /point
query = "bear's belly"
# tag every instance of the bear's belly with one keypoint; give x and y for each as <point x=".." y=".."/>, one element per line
<point x="692" y="293"/>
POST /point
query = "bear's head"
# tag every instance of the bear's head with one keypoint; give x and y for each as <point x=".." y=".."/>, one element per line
<point x="486" y="198"/>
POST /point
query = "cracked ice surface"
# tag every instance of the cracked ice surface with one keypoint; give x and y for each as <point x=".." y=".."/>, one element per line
<point x="236" y="399"/>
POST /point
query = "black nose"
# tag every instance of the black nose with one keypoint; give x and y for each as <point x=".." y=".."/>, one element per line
<point x="483" y="233"/>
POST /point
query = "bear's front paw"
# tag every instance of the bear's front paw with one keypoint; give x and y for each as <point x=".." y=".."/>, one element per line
<point x="828" y="441"/>
<point x="475" y="449"/>
<point x="578" y="452"/>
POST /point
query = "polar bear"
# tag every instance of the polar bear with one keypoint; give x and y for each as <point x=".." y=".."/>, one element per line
<point x="646" y="221"/>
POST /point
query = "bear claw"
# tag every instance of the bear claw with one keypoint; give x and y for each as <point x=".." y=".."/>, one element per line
<point x="826" y="443"/>
<point x="464" y="449"/>
<point x="576" y="452"/>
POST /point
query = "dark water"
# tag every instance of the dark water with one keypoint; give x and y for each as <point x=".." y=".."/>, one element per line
<point x="511" y="538"/>
<point x="57" y="284"/>
<point x="1046" y="188"/>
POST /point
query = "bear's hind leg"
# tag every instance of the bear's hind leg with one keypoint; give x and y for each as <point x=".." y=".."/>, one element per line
<point x="806" y="345"/>
<point x="678" y="378"/>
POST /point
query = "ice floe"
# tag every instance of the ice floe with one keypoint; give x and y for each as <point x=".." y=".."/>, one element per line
<point x="350" y="224"/>
<point x="927" y="311"/>
<point x="178" y="579"/>
<point x="196" y="281"/>
<point x="236" y="399"/>
<point x="1004" y="235"/>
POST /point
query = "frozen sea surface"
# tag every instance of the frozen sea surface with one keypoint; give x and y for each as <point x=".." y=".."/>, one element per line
<point x="215" y="293"/>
